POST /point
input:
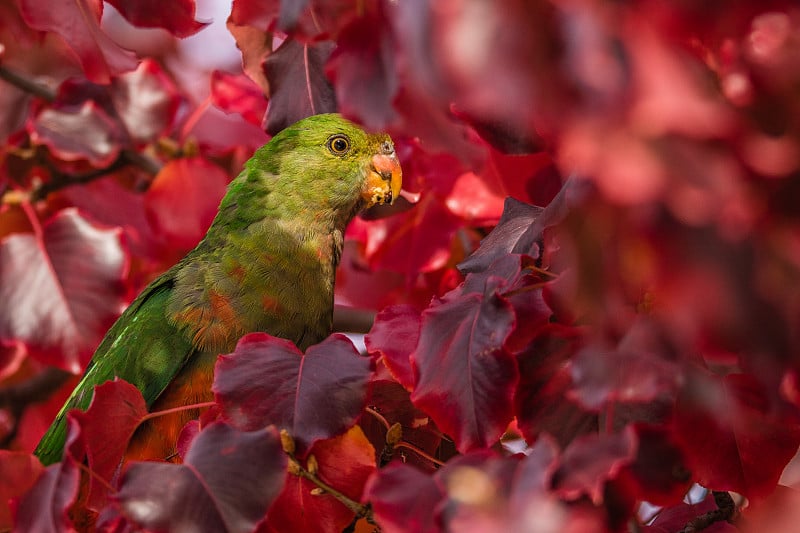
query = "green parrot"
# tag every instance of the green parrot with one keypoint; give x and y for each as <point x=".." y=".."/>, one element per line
<point x="266" y="264"/>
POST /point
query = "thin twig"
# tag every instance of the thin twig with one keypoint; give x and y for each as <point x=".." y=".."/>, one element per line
<point x="424" y="455"/>
<point x="26" y="84"/>
<point x="724" y="512"/>
<point x="156" y="414"/>
<point x="360" y="510"/>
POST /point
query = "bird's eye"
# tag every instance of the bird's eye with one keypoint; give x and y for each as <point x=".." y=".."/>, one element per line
<point x="338" y="144"/>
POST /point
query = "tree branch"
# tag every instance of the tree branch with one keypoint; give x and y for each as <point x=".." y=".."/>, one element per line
<point x="725" y="510"/>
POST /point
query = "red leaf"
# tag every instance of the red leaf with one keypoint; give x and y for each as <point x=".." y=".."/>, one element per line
<point x="634" y="371"/>
<point x="403" y="499"/>
<point x="590" y="461"/>
<point x="227" y="482"/>
<point x="107" y="425"/>
<point x="11" y="356"/>
<point x="363" y="70"/>
<point x="266" y="380"/>
<point x="18" y="472"/>
<point x="418" y="240"/>
<point x="345" y="462"/>
<point x="238" y="94"/>
<point x="176" y="16"/>
<point x="183" y="199"/>
<point x="78" y="22"/>
<point x="744" y="443"/>
<point x="465" y="378"/>
<point x="659" y="469"/>
<point x="44" y="508"/>
<point x="146" y="101"/>
<point x="297" y="83"/>
<point x="61" y="290"/>
<point x="394" y="335"/>
<point x="79" y="132"/>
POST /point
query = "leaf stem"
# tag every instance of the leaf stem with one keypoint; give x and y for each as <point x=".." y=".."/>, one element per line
<point x="379" y="417"/>
<point x="424" y="455"/>
<point x="156" y="414"/>
<point x="96" y="476"/>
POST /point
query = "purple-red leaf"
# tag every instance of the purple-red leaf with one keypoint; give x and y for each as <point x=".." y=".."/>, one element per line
<point x="61" y="290"/>
<point x="78" y="22"/>
<point x="403" y="499"/>
<point x="590" y="461"/>
<point x="394" y="335"/>
<point x="175" y="16"/>
<point x="227" y="483"/>
<point x="465" y="379"/>
<point x="297" y="83"/>
<point x="45" y="507"/>
<point x="314" y="396"/>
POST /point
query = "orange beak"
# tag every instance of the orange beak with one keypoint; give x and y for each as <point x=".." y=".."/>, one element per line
<point x="383" y="181"/>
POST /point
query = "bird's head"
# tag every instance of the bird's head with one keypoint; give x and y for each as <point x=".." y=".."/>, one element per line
<point x="332" y="164"/>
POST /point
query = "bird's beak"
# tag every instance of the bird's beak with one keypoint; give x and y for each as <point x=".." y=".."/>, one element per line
<point x="383" y="181"/>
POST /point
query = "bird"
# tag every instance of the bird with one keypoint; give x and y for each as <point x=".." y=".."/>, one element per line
<point x="266" y="264"/>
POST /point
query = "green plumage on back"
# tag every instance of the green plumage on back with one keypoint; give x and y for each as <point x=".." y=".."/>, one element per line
<point x="266" y="264"/>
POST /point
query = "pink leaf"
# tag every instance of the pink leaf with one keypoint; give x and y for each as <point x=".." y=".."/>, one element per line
<point x="61" y="290"/>
<point x="78" y="22"/>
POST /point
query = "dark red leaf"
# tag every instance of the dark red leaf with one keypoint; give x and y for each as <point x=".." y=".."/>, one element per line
<point x="238" y="94"/>
<point x="107" y="425"/>
<point x="345" y="462"/>
<point x="297" y="83"/>
<point x="394" y="335"/>
<point x="516" y="218"/>
<point x="78" y="22"/>
<point x="659" y="470"/>
<point x="227" y="482"/>
<point x="465" y="379"/>
<point x="590" y="461"/>
<point x="541" y="403"/>
<point x="744" y="443"/>
<point x="176" y="16"/>
<point x="79" y="132"/>
<point x="146" y="101"/>
<point x="314" y="396"/>
<point x="391" y="401"/>
<point x="18" y="472"/>
<point x="61" y="290"/>
<point x="183" y="200"/>
<point x="363" y="71"/>
<point x="404" y="499"/>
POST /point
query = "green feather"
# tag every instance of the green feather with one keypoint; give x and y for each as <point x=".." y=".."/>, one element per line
<point x="267" y="264"/>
